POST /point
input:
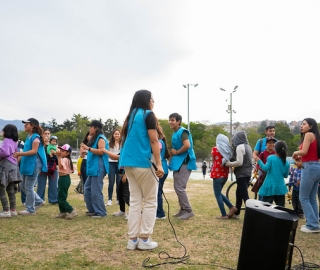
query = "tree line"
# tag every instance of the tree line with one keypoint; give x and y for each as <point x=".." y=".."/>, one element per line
<point x="72" y="131"/>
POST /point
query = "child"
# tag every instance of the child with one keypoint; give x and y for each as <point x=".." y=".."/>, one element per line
<point x="79" y="188"/>
<point x="33" y="161"/>
<point x="277" y="168"/>
<point x="294" y="180"/>
<point x="64" y="181"/>
<point x="52" y="146"/>
<point x="9" y="170"/>
<point x="123" y="195"/>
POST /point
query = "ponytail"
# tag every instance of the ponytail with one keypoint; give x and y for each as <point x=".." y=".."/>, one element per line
<point x="281" y="150"/>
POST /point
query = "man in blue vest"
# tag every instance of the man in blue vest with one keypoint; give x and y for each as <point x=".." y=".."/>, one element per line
<point x="183" y="161"/>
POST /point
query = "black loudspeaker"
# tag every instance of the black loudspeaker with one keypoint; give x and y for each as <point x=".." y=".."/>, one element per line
<point x="268" y="230"/>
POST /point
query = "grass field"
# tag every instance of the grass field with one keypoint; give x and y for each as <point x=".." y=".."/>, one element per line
<point x="44" y="242"/>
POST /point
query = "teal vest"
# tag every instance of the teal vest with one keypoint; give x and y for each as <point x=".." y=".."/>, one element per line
<point x="136" y="151"/>
<point x="177" y="160"/>
<point x="93" y="160"/>
<point x="28" y="163"/>
<point x="164" y="161"/>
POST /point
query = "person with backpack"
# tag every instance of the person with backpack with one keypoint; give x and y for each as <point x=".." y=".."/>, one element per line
<point x="261" y="144"/>
<point x="51" y="175"/>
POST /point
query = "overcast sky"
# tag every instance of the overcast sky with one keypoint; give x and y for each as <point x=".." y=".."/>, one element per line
<point x="89" y="57"/>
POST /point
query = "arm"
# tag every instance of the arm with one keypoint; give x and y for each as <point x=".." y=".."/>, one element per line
<point x="185" y="145"/>
<point x="99" y="152"/>
<point x="308" y="139"/>
<point x="240" y="152"/>
<point x="265" y="167"/>
<point x="153" y="138"/>
<point x="33" y="151"/>
<point x="60" y="165"/>
<point x="110" y="154"/>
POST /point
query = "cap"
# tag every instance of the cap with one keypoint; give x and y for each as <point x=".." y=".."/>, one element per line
<point x="32" y="121"/>
<point x="95" y="123"/>
<point x="66" y="147"/>
<point x="53" y="138"/>
<point x="271" y="139"/>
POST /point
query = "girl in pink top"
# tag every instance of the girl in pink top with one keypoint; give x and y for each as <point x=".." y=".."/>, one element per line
<point x="64" y="182"/>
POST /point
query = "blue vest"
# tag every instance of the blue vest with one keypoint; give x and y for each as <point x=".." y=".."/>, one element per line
<point x="28" y="163"/>
<point x="164" y="161"/>
<point x="177" y="160"/>
<point x="136" y="151"/>
<point x="92" y="167"/>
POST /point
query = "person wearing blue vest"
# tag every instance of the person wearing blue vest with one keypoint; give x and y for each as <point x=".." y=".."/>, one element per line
<point x="32" y="161"/>
<point x="183" y="161"/>
<point x="140" y="148"/>
<point x="97" y="168"/>
<point x="164" y="154"/>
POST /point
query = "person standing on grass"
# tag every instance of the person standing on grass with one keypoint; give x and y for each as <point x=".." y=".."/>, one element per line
<point x="309" y="154"/>
<point x="243" y="168"/>
<point x="97" y="167"/>
<point x="219" y="174"/>
<point x="114" y="146"/>
<point x="261" y="144"/>
<point x="51" y="175"/>
<point x="183" y="161"/>
<point x="277" y="168"/>
<point x="9" y="170"/>
<point x="204" y="169"/>
<point x="139" y="146"/>
<point x="32" y="161"/>
<point x="64" y="182"/>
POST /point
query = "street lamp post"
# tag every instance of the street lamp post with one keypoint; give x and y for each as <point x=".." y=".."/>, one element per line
<point x="187" y="86"/>
<point x="230" y="110"/>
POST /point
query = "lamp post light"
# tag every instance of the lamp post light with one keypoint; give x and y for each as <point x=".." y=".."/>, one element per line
<point x="187" y="86"/>
<point x="230" y="110"/>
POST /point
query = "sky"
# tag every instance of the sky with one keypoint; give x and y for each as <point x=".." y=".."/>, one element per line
<point x="59" y="58"/>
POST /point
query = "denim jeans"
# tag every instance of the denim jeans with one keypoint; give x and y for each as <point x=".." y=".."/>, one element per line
<point x="160" y="211"/>
<point x="113" y="176"/>
<point x="93" y="195"/>
<point x="310" y="177"/>
<point x="218" y="184"/>
<point x="52" y="186"/>
<point x="27" y="186"/>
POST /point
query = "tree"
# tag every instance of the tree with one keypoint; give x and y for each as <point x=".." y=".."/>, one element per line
<point x="109" y="126"/>
<point x="253" y="136"/>
<point x="262" y="127"/>
<point x="54" y="126"/>
<point x="283" y="133"/>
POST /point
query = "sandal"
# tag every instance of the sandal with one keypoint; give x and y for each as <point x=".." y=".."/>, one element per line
<point x="222" y="217"/>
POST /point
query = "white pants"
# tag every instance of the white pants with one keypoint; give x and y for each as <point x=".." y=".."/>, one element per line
<point x="143" y="186"/>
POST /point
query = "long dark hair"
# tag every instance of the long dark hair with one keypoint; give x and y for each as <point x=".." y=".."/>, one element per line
<point x="93" y="139"/>
<point x="71" y="163"/>
<point x="112" y="141"/>
<point x="314" y="129"/>
<point x="38" y="129"/>
<point x="141" y="99"/>
<point x="163" y="138"/>
<point x="281" y="150"/>
<point x="10" y="132"/>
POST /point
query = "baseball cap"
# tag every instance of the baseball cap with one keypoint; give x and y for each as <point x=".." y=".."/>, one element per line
<point x="66" y="147"/>
<point x="271" y="139"/>
<point x="95" y="123"/>
<point x="32" y="121"/>
<point x="53" y="138"/>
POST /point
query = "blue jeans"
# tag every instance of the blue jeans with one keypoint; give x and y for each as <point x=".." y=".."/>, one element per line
<point x="93" y="195"/>
<point x="160" y="211"/>
<point x="52" y="186"/>
<point x="218" y="184"/>
<point x="310" y="177"/>
<point x="27" y="186"/>
<point x="113" y="175"/>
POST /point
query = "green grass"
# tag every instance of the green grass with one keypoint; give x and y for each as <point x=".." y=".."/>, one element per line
<point x="44" y="242"/>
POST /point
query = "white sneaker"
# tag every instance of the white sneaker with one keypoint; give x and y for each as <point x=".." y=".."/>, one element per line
<point x="119" y="214"/>
<point x="25" y="213"/>
<point x="109" y="203"/>
<point x="306" y="230"/>
<point x="39" y="205"/>
<point x="72" y="214"/>
<point x="132" y="245"/>
<point x="149" y="244"/>
<point x="61" y="215"/>
<point x="14" y="213"/>
<point x="5" y="214"/>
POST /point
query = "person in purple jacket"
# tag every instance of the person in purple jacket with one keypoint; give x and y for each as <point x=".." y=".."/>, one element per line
<point x="9" y="170"/>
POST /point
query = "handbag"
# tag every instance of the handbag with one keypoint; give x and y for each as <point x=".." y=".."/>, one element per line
<point x="257" y="185"/>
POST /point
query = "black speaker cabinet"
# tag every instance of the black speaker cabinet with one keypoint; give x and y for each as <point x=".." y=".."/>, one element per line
<point x="267" y="231"/>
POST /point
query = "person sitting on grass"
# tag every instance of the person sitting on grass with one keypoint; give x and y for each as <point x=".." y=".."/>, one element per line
<point x="64" y="182"/>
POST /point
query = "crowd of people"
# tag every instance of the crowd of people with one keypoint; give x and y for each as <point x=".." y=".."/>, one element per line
<point x="137" y="159"/>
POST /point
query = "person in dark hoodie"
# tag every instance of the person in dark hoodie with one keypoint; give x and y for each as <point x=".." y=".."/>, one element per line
<point x="243" y="168"/>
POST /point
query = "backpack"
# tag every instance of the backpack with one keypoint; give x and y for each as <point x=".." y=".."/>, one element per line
<point x="51" y="166"/>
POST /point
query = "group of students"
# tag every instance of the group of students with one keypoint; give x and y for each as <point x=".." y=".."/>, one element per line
<point x="271" y="157"/>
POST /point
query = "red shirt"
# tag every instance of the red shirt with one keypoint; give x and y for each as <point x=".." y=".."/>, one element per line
<point x="263" y="156"/>
<point x="312" y="154"/>
<point x="218" y="170"/>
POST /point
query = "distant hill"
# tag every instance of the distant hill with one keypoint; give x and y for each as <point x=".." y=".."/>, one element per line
<point x="17" y="123"/>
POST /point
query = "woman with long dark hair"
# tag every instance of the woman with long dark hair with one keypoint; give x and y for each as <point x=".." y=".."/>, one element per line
<point x="140" y="146"/>
<point x="309" y="154"/>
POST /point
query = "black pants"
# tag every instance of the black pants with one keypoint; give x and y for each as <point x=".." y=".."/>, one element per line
<point x="123" y="191"/>
<point x="83" y="170"/>
<point x="278" y="199"/>
<point x="296" y="202"/>
<point x="241" y="192"/>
